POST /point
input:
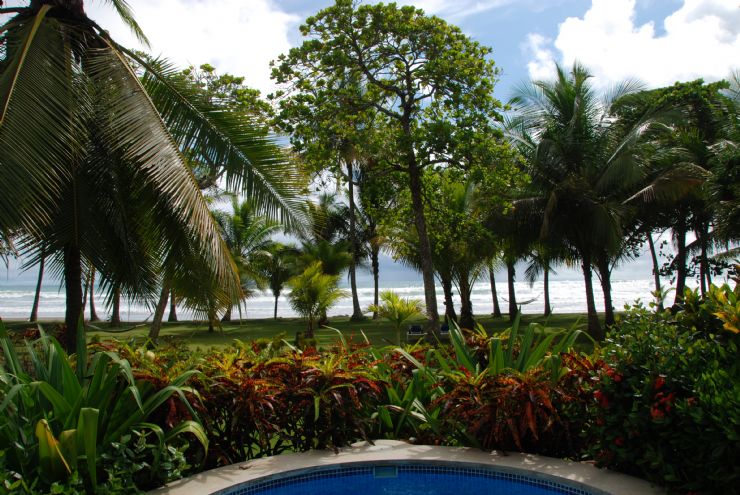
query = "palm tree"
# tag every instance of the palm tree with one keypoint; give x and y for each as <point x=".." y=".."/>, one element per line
<point x="397" y="310"/>
<point x="92" y="158"/>
<point x="691" y="169"/>
<point x="540" y="263"/>
<point x="312" y="293"/>
<point x="579" y="162"/>
<point x="277" y="268"/>
<point x="248" y="236"/>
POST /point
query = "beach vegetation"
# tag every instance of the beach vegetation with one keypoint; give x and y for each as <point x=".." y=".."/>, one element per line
<point x="312" y="293"/>
<point x="397" y="310"/>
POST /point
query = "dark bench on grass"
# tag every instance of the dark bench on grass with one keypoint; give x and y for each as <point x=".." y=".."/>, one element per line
<point x="414" y="333"/>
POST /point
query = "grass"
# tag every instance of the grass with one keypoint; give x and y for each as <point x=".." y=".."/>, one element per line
<point x="379" y="332"/>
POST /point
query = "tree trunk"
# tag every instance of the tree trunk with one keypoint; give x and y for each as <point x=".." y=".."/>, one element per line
<point x="276" y="306"/>
<point x="704" y="261"/>
<point x="511" y="276"/>
<point x="374" y="255"/>
<point x="602" y="264"/>
<point x="309" y="329"/>
<point x="227" y="315"/>
<point x="466" y="307"/>
<point x="594" y="327"/>
<point x="494" y="294"/>
<point x="680" y="261"/>
<point x="85" y="288"/>
<point x="159" y="311"/>
<point x="173" y="307"/>
<point x="450" y="314"/>
<point x="425" y="250"/>
<point x="356" y="309"/>
<point x="93" y="313"/>
<point x="37" y="296"/>
<point x="656" y="272"/>
<point x="115" y="316"/>
<point x="73" y="289"/>
<point x="546" y="282"/>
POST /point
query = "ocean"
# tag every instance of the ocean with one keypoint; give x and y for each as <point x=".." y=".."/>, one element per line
<point x="630" y="283"/>
<point x="566" y="296"/>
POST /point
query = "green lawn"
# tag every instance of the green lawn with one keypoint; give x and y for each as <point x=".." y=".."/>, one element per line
<point x="379" y="332"/>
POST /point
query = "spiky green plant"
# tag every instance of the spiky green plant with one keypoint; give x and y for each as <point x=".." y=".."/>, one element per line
<point x="57" y="419"/>
<point x="312" y="293"/>
<point x="398" y="310"/>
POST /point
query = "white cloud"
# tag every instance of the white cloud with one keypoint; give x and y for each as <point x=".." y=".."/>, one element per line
<point x="236" y="36"/>
<point x="542" y="65"/>
<point x="702" y="39"/>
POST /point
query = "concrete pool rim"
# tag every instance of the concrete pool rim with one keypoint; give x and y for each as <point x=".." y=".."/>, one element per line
<point x="392" y="452"/>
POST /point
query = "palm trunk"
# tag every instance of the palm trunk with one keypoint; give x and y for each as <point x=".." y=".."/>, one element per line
<point x="276" y="306"/>
<point x="594" y="327"/>
<point x="680" y="262"/>
<point x="511" y="276"/>
<point x="159" y="311"/>
<point x="85" y="288"/>
<point x="374" y="254"/>
<point x="425" y="249"/>
<point x="73" y="289"/>
<point x="37" y="296"/>
<point x="93" y="313"/>
<point x="227" y="315"/>
<point x="466" y="305"/>
<point x="546" y="282"/>
<point x="450" y="314"/>
<point x="656" y="272"/>
<point x="173" y="307"/>
<point x="602" y="264"/>
<point x="309" y="330"/>
<point x="704" y="261"/>
<point x="494" y="294"/>
<point x="115" y="316"/>
<point x="356" y="309"/>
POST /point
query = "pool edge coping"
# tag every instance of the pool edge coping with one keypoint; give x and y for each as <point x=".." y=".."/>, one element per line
<point x="215" y="480"/>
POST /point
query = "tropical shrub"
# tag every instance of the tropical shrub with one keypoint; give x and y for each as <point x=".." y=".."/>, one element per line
<point x="507" y="391"/>
<point x="59" y="423"/>
<point x="667" y="404"/>
<point x="411" y="379"/>
<point x="312" y="293"/>
<point x="510" y="391"/>
<point x="397" y="310"/>
<point x="260" y="401"/>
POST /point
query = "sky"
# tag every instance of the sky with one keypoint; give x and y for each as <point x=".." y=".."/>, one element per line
<point x="656" y="41"/>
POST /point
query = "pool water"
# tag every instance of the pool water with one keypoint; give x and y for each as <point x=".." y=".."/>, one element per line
<point x="406" y="480"/>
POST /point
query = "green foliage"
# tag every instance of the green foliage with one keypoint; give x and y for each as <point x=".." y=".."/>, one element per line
<point x="667" y="405"/>
<point x="59" y="421"/>
<point x="397" y="310"/>
<point x="313" y="293"/>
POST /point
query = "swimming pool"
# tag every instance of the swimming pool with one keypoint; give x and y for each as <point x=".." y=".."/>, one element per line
<point x="407" y="479"/>
<point x="391" y="467"/>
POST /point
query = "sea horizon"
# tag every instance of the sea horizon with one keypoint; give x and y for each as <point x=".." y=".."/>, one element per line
<point x="566" y="296"/>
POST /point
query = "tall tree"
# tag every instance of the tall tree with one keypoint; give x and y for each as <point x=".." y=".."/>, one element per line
<point x="417" y="72"/>
<point x="248" y="237"/>
<point x="687" y="181"/>
<point x="579" y="162"/>
<point x="277" y="268"/>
